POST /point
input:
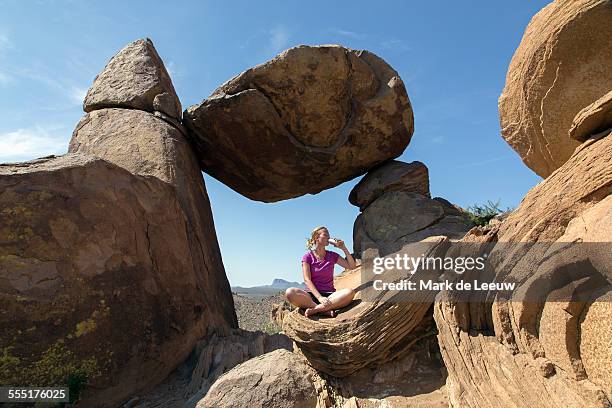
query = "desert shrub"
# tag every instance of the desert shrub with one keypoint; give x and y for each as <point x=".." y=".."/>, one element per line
<point x="271" y="328"/>
<point x="56" y="367"/>
<point x="481" y="214"/>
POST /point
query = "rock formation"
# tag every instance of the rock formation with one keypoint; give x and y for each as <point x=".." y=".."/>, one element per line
<point x="109" y="264"/>
<point x="135" y="78"/>
<point x="412" y="376"/>
<point x="390" y="176"/>
<point x="379" y="326"/>
<point x="213" y="355"/>
<point x="543" y="343"/>
<point x="219" y="354"/>
<point x="544" y="349"/>
<point x="562" y="65"/>
<point x="595" y="118"/>
<point x="308" y="120"/>
<point x="280" y="379"/>
<point x="416" y="379"/>
<point x="396" y="209"/>
<point x="110" y="270"/>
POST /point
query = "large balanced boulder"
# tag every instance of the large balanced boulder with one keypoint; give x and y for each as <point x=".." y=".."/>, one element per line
<point x="109" y="263"/>
<point x="396" y="209"/>
<point x="134" y="78"/>
<point x="561" y="66"/>
<point x="309" y="119"/>
<point x="279" y="379"/>
<point x="542" y="343"/>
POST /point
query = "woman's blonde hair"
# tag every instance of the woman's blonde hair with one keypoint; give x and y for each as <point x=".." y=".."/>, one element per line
<point x="311" y="242"/>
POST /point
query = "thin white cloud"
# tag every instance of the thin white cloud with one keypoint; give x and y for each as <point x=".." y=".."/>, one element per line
<point x="31" y="143"/>
<point x="72" y="93"/>
<point x="172" y="70"/>
<point x="279" y="38"/>
<point x="77" y="94"/>
<point x="5" y="78"/>
<point x="395" y="44"/>
<point x="484" y="162"/>
<point x="347" y="33"/>
<point x="437" y="139"/>
<point x="5" y="43"/>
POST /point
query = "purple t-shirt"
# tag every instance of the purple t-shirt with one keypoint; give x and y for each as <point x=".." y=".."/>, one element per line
<point x="322" y="272"/>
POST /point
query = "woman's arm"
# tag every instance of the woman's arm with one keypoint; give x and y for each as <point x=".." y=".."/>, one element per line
<point x="349" y="262"/>
<point x="308" y="280"/>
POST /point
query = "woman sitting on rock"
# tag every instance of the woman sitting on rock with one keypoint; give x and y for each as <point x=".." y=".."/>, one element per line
<point x="318" y="268"/>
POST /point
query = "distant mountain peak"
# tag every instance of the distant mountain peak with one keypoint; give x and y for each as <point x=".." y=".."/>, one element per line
<point x="278" y="285"/>
<point x="284" y="284"/>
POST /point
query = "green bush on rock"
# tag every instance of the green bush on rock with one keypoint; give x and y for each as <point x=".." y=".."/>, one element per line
<point x="481" y="214"/>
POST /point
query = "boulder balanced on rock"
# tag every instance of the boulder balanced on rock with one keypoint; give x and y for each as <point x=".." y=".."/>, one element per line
<point x="308" y="120"/>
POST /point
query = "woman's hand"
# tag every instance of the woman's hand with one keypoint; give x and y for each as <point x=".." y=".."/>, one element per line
<point x="349" y="262"/>
<point x="339" y="244"/>
<point x="324" y="301"/>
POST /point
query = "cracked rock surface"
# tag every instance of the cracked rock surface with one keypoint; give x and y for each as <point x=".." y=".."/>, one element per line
<point x="134" y="78"/>
<point x="396" y="209"/>
<point x="308" y="120"/>
<point x="595" y="118"/>
<point x="518" y="349"/>
<point x="377" y="327"/>
<point x="561" y="66"/>
<point x="109" y="260"/>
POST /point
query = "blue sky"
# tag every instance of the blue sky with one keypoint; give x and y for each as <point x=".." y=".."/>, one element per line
<point x="453" y="57"/>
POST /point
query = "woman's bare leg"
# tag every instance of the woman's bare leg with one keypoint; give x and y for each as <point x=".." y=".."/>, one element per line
<point x="338" y="300"/>
<point x="299" y="298"/>
<point x="341" y="298"/>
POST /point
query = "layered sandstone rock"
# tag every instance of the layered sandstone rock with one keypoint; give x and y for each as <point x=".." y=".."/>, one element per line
<point x="308" y="120"/>
<point x="595" y="349"/>
<point x="562" y="65"/>
<point x="134" y="78"/>
<point x="415" y="379"/>
<point x="399" y="218"/>
<point x="540" y="345"/>
<point x="396" y="209"/>
<point x="280" y="379"/>
<point x="109" y="264"/>
<point x="595" y="118"/>
<point x="379" y="326"/>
